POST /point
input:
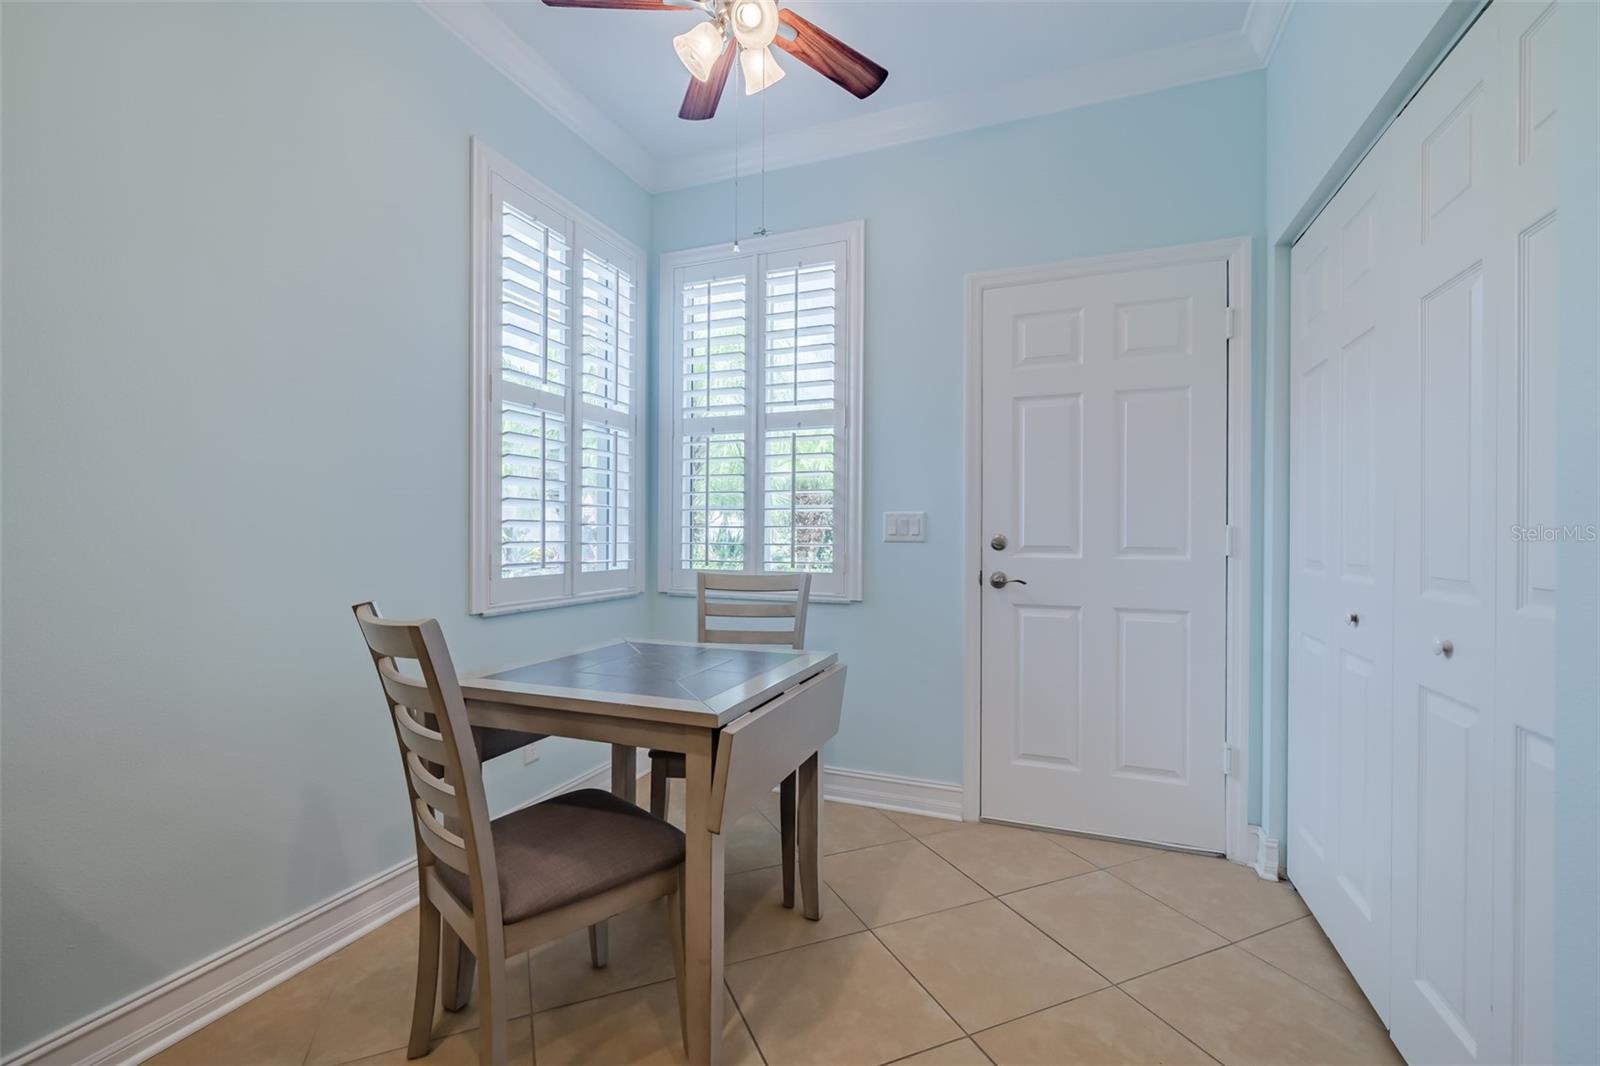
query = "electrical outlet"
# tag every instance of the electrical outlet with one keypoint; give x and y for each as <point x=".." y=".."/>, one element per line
<point x="905" y="526"/>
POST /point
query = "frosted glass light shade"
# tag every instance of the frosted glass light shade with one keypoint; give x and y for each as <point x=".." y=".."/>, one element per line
<point x="760" y="69"/>
<point x="699" y="49"/>
<point x="754" y="22"/>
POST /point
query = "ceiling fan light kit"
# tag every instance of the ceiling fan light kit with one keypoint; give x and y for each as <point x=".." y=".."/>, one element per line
<point x="753" y="25"/>
<point x="699" y="48"/>
<point x="755" y="22"/>
<point x="760" y="69"/>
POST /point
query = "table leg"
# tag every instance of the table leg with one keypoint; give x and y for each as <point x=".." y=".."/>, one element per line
<point x="702" y="934"/>
<point x="809" y="828"/>
<point x="624" y="772"/>
<point x="786" y="802"/>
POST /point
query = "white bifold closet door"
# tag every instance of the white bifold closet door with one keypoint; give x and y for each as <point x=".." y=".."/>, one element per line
<point x="1421" y="740"/>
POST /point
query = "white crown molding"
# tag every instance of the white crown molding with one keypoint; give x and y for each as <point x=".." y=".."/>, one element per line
<point x="1263" y="26"/>
<point x="1238" y="52"/>
<point x="1145" y="72"/>
<point x="484" y="32"/>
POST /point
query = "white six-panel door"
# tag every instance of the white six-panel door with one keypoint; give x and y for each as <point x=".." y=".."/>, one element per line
<point x="1341" y="616"/>
<point x="1453" y="946"/>
<point x="1105" y="471"/>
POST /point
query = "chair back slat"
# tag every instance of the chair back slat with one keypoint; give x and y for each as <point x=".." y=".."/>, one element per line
<point x="769" y="597"/>
<point x="384" y="638"/>
<point x="437" y="751"/>
<point x="419" y="738"/>
<point x="406" y="691"/>
<point x="751" y="636"/>
<point x="431" y="789"/>
<point x="734" y="609"/>
<point x="443" y="844"/>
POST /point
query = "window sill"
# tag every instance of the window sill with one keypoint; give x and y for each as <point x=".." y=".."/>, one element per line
<point x="564" y="601"/>
<point x="816" y="597"/>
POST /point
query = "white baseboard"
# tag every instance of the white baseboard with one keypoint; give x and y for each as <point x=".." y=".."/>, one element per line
<point x="1267" y="863"/>
<point x="137" y="1027"/>
<point x="142" y="1024"/>
<point x="913" y="795"/>
<point x="146" y="1022"/>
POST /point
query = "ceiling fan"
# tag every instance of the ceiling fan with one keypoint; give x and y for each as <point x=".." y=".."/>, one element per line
<point x="753" y="26"/>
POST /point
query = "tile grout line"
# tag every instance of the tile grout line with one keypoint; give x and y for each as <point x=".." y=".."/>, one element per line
<point x="890" y="951"/>
<point x="1173" y="909"/>
<point x="1046" y="933"/>
<point x="743" y="1020"/>
<point x="1197" y="921"/>
<point x="1240" y="945"/>
<point x="936" y="1047"/>
<point x="1085" y="995"/>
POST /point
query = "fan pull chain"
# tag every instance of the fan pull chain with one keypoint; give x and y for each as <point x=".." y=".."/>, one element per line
<point x="736" y="94"/>
<point x="762" y="232"/>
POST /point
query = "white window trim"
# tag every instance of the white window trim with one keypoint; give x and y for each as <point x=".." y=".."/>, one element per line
<point x="670" y="579"/>
<point x="483" y="417"/>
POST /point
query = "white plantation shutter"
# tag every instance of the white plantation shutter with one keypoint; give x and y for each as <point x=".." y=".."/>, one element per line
<point x="609" y="415"/>
<point x="555" y="422"/>
<point x="799" y="439"/>
<point x="714" y="373"/>
<point x="533" y="318"/>
<point x="760" y="385"/>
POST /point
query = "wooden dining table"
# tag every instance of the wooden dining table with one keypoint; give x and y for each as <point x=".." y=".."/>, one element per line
<point x="744" y="717"/>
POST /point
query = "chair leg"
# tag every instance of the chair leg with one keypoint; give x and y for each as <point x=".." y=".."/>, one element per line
<point x="493" y="1007"/>
<point x="786" y="808"/>
<point x="427" y="979"/>
<point x="456" y="976"/>
<point x="599" y="945"/>
<point x="658" y="788"/>
<point x="675" y="920"/>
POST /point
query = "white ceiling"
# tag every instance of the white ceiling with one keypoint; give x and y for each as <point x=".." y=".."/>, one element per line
<point x="953" y="64"/>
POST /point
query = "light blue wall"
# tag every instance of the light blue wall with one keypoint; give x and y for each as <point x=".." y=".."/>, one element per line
<point x="1577" y="915"/>
<point x="1168" y="168"/>
<point x="1331" y="77"/>
<point x="235" y="262"/>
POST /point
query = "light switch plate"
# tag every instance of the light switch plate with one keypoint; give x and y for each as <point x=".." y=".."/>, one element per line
<point x="530" y="755"/>
<point x="905" y="526"/>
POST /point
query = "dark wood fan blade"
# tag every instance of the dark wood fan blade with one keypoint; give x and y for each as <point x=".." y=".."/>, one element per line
<point x="701" y="100"/>
<point x="620" y="5"/>
<point x="829" y="56"/>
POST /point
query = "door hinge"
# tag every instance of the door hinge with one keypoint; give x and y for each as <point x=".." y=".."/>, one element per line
<point x="1231" y="536"/>
<point x="1228" y="762"/>
<point x="1227" y="323"/>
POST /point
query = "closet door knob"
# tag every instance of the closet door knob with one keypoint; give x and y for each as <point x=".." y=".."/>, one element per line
<point x="1352" y="619"/>
<point x="1446" y="648"/>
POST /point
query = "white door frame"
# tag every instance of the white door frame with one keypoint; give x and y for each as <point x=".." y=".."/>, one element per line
<point x="1235" y="253"/>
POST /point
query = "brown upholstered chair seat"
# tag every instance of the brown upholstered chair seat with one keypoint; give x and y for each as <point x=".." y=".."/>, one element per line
<point x="570" y="848"/>
<point x="493" y="743"/>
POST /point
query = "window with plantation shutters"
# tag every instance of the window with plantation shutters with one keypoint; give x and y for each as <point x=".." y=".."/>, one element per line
<point x="760" y="461"/>
<point x="555" y="419"/>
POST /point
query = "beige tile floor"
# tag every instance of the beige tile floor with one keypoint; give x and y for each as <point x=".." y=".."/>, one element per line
<point x="940" y="943"/>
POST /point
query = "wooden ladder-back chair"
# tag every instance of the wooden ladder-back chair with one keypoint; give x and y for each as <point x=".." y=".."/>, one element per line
<point x="766" y="596"/>
<point x="505" y="885"/>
